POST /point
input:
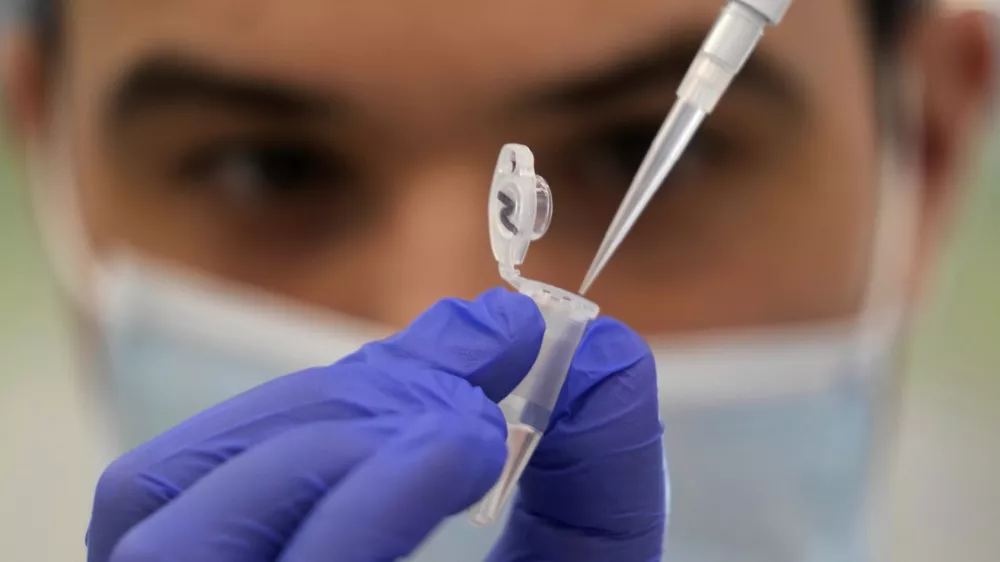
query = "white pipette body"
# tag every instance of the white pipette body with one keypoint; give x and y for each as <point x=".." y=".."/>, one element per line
<point x="726" y="49"/>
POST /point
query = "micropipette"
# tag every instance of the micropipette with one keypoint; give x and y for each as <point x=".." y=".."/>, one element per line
<point x="724" y="52"/>
<point x="520" y="209"/>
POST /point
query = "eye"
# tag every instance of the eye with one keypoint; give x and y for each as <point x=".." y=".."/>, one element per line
<point x="266" y="170"/>
<point x="609" y="159"/>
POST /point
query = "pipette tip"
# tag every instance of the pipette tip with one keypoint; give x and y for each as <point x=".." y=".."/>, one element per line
<point x="597" y="266"/>
<point x="587" y="282"/>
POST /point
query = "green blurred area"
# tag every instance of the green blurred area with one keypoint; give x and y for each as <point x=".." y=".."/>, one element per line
<point x="958" y="348"/>
<point x="26" y="287"/>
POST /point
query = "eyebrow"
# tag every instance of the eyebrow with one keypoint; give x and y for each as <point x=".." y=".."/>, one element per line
<point x="666" y="64"/>
<point x="163" y="80"/>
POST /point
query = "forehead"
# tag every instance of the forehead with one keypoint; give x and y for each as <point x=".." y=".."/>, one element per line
<point x="478" y="47"/>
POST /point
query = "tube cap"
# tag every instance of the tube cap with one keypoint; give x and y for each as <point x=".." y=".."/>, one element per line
<point x="520" y="209"/>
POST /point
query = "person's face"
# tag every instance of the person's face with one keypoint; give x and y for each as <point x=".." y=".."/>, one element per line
<point x="341" y="152"/>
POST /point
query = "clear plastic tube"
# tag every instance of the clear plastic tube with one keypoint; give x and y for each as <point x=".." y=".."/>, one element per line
<point x="520" y="209"/>
<point x="528" y="409"/>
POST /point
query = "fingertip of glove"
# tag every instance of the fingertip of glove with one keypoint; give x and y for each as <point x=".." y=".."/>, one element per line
<point x="516" y="315"/>
<point x="610" y="346"/>
<point x="610" y="350"/>
<point x="497" y="314"/>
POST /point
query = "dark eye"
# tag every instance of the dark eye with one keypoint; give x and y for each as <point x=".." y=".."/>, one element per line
<point x="609" y="159"/>
<point x="619" y="151"/>
<point x="255" y="171"/>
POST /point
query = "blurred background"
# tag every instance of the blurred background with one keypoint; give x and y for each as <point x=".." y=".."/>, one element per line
<point x="944" y="496"/>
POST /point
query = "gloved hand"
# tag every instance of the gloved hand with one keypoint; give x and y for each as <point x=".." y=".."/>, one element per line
<point x="361" y="460"/>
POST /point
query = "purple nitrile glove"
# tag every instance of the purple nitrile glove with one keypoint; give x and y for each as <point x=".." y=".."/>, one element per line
<point x="361" y="460"/>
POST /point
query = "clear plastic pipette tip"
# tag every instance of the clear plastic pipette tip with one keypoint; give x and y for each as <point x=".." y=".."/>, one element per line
<point x="521" y="443"/>
<point x="667" y="148"/>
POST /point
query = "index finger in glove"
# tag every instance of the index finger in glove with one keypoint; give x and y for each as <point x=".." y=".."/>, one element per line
<point x="491" y="342"/>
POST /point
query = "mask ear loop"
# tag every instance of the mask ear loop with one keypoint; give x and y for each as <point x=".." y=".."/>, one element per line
<point x="74" y="265"/>
<point x="885" y="312"/>
<point x="57" y="211"/>
<point x="84" y="277"/>
<point x="897" y="213"/>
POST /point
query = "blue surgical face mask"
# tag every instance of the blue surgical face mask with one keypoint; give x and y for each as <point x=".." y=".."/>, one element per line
<point x="774" y="435"/>
<point x="770" y="434"/>
<point x="174" y="344"/>
<point x="772" y="440"/>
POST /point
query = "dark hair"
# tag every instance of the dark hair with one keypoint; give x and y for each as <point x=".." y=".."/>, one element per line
<point x="886" y="18"/>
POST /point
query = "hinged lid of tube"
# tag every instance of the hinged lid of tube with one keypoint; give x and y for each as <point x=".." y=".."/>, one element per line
<point x="520" y="209"/>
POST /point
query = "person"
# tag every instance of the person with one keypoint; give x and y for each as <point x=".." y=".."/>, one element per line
<point x="213" y="175"/>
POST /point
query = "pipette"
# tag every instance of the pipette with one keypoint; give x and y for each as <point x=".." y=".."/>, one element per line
<point x="520" y="209"/>
<point x="724" y="52"/>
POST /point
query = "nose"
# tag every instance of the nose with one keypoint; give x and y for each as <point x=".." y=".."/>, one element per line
<point x="434" y="241"/>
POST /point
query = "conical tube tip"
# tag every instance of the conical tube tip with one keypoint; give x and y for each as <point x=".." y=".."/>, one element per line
<point x="522" y="440"/>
